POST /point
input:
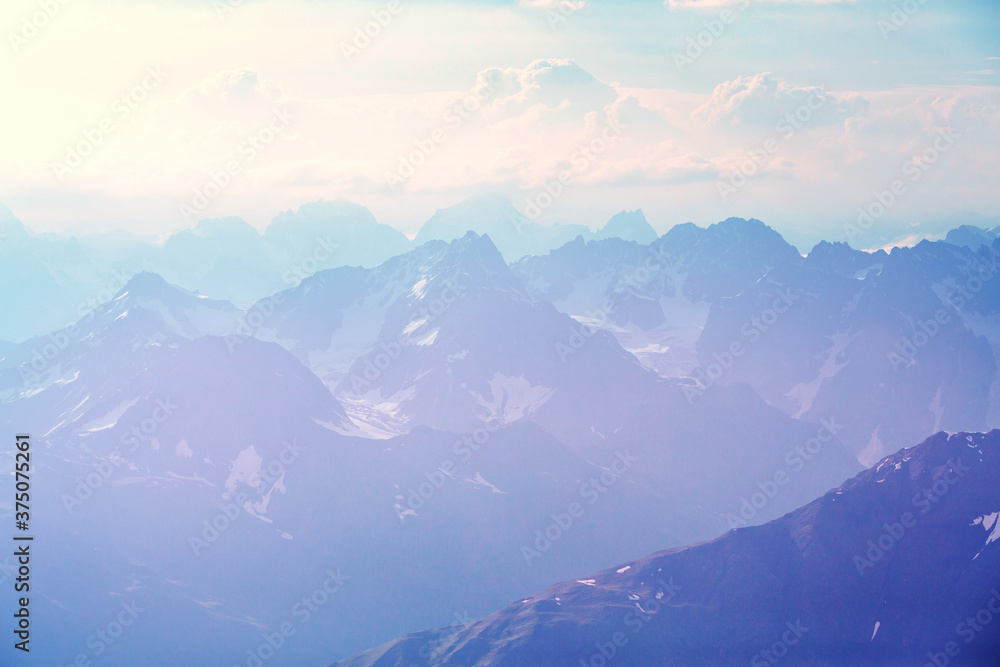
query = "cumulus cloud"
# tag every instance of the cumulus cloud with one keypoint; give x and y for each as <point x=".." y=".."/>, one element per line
<point x="551" y="84"/>
<point x="762" y="100"/>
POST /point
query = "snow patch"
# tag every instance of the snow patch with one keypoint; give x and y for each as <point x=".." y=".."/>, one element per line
<point x="244" y="469"/>
<point x="805" y="393"/>
<point x="428" y="339"/>
<point x="402" y="512"/>
<point x="512" y="398"/>
<point x="989" y="522"/>
<point x="873" y="452"/>
<point x="414" y="325"/>
<point x="184" y="450"/>
<point x="479" y="481"/>
<point x="418" y="290"/>
<point x="261" y="506"/>
<point x="110" y="419"/>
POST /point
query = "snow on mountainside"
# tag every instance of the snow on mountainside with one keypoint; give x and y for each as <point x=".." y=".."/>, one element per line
<point x="144" y="337"/>
<point x="818" y="336"/>
<point x="451" y="340"/>
<point x="905" y="342"/>
<point x="497" y="406"/>
<point x="170" y="457"/>
<point x="872" y="573"/>
<point x="46" y="281"/>
<point x="655" y="298"/>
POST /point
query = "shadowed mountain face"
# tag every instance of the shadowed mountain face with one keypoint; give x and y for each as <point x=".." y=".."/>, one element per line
<point x="451" y="433"/>
<point x="656" y="298"/>
<point x="906" y="343"/>
<point x="517" y="236"/>
<point x="456" y="343"/>
<point x="971" y="237"/>
<point x="897" y="566"/>
<point x="160" y="412"/>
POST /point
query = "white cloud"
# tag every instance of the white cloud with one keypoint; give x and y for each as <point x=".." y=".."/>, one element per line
<point x="353" y="121"/>
<point x="762" y="100"/>
<point x="551" y="5"/>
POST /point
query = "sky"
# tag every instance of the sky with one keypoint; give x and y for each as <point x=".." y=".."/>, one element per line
<point x="148" y="116"/>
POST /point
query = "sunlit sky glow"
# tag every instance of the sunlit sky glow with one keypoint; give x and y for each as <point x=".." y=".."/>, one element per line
<point x="880" y="95"/>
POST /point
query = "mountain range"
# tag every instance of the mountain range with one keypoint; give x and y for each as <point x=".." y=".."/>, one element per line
<point x="443" y="432"/>
<point x="49" y="280"/>
<point x="860" y="576"/>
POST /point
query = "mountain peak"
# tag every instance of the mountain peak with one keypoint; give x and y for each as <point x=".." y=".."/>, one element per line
<point x="320" y="213"/>
<point x="146" y="283"/>
<point x="483" y="214"/>
<point x="630" y="226"/>
<point x="147" y="287"/>
<point x="971" y="237"/>
<point x="478" y="248"/>
<point x="11" y="229"/>
<point x="225" y="227"/>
